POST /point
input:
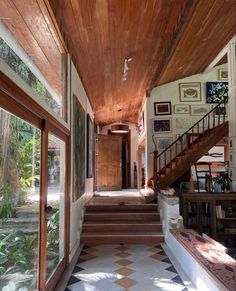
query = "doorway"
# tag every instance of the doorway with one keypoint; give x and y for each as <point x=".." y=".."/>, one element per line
<point x="125" y="158"/>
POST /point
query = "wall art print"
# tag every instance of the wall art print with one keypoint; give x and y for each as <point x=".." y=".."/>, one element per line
<point x="190" y="92"/>
<point x="164" y="142"/>
<point x="223" y="74"/>
<point x="90" y="147"/>
<point x="181" y="109"/>
<point x="162" y="125"/>
<point x="199" y="109"/>
<point x="162" y="108"/>
<point x="78" y="149"/>
<point x="216" y="92"/>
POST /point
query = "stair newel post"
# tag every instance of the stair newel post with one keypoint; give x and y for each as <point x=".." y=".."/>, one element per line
<point x="209" y="122"/>
<point x="218" y="119"/>
<point x="203" y="125"/>
<point x="155" y="157"/>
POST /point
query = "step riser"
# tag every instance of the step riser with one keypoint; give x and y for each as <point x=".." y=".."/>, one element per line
<point x="121" y="240"/>
<point x="121" y="208"/>
<point x="119" y="228"/>
<point x="117" y="218"/>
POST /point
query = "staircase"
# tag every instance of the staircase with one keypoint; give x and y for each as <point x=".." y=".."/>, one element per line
<point x="176" y="159"/>
<point x="122" y="224"/>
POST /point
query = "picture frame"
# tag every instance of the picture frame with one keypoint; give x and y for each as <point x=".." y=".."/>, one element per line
<point x="190" y="92"/>
<point x="201" y="110"/>
<point x="162" y="108"/>
<point x="161" y="125"/>
<point x="164" y="142"/>
<point x="79" y="119"/>
<point x="90" y="147"/>
<point x="216" y="92"/>
<point x="221" y="110"/>
<point x="181" y="109"/>
<point x="223" y="74"/>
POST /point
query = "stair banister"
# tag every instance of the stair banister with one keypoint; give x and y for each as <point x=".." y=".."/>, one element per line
<point x="181" y="138"/>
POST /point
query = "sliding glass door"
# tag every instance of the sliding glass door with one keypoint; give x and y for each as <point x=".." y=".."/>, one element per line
<point x="55" y="203"/>
<point x="20" y="175"/>
<point x="33" y="234"/>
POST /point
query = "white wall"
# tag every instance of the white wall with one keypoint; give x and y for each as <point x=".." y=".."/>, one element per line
<point x="133" y="146"/>
<point x="77" y="208"/>
<point x="170" y="92"/>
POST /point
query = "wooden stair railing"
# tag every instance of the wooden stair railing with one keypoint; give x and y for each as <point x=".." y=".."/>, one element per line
<point x="192" y="137"/>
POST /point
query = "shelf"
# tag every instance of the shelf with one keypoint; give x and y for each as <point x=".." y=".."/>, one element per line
<point x="227" y="218"/>
<point x="226" y="233"/>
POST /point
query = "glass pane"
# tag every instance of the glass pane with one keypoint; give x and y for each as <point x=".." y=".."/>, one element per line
<point x="52" y="96"/>
<point x="55" y="203"/>
<point x="20" y="144"/>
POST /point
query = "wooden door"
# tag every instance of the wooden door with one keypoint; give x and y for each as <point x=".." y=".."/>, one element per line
<point x="109" y="175"/>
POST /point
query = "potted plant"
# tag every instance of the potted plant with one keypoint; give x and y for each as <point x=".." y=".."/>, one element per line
<point x="222" y="182"/>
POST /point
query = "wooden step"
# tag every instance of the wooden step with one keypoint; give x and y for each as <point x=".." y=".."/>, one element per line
<point x="121" y="227"/>
<point x="121" y="208"/>
<point x="119" y="238"/>
<point x="118" y="217"/>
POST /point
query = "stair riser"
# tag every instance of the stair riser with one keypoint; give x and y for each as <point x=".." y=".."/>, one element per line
<point x="117" y="218"/>
<point x="119" y="228"/>
<point x="121" y="208"/>
<point x="121" y="240"/>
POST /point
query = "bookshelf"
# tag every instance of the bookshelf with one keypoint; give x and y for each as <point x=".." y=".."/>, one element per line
<point x="213" y="214"/>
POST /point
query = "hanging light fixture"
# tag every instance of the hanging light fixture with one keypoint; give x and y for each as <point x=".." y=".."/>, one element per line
<point x="120" y="128"/>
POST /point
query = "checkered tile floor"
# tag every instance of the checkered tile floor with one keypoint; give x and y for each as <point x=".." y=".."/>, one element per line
<point x="125" y="267"/>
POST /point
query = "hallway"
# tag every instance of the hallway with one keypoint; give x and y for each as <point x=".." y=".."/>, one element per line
<point x="127" y="267"/>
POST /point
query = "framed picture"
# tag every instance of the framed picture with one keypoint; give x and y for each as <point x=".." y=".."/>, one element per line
<point x="164" y="142"/>
<point x="78" y="149"/>
<point x="199" y="109"/>
<point x="223" y="74"/>
<point x="162" y="125"/>
<point x="215" y="154"/>
<point x="216" y="91"/>
<point x="181" y="109"/>
<point x="162" y="108"/>
<point x="190" y="92"/>
<point x="90" y="147"/>
<point x="221" y="110"/>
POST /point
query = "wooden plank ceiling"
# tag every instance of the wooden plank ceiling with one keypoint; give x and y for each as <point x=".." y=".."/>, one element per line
<point x="210" y="26"/>
<point x="30" y="26"/>
<point x="101" y="34"/>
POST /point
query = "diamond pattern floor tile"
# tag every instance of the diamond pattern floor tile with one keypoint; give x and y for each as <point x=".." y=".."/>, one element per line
<point x="125" y="282"/>
<point x="124" y="268"/>
<point x="123" y="262"/>
<point x="123" y="255"/>
<point x="125" y="271"/>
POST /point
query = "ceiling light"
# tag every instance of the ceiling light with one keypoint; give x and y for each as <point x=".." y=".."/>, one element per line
<point x="126" y="68"/>
<point x="120" y="128"/>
